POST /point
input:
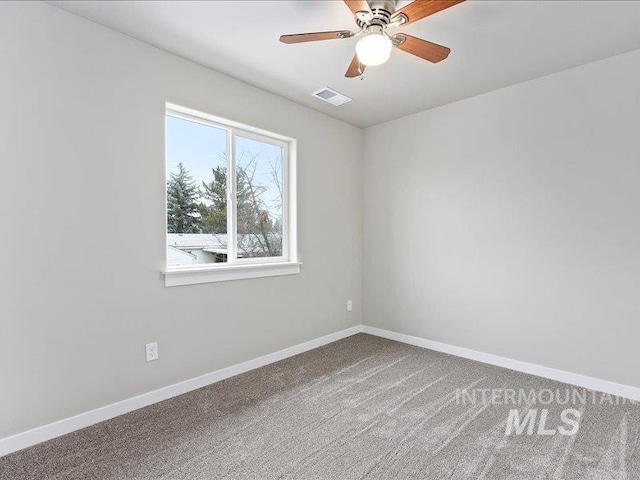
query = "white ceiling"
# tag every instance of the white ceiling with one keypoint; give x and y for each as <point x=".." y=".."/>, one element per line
<point x="494" y="44"/>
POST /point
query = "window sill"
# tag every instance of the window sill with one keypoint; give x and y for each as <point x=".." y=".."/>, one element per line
<point x="223" y="273"/>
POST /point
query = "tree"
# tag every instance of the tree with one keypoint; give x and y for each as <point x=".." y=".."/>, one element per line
<point x="259" y="234"/>
<point x="214" y="215"/>
<point x="182" y="202"/>
<point x="259" y="230"/>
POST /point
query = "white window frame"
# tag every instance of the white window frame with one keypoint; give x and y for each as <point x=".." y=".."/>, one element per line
<point x="241" y="268"/>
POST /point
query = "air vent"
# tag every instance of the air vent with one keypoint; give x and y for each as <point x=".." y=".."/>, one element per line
<point x="330" y="95"/>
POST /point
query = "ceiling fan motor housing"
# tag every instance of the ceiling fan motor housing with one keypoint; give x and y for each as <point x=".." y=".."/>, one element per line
<point x="379" y="16"/>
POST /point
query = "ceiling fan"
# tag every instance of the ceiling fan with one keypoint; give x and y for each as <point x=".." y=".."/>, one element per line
<point x="373" y="18"/>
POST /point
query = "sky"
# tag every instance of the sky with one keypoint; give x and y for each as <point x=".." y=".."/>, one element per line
<point x="200" y="148"/>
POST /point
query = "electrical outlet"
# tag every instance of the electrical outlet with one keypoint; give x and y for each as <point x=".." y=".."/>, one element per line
<point x="349" y="305"/>
<point x="152" y="351"/>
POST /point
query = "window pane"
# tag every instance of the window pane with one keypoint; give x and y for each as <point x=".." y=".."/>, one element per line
<point x="259" y="177"/>
<point x="196" y="193"/>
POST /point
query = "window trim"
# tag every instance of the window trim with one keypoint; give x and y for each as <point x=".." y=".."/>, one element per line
<point x="204" y="274"/>
<point x="287" y="263"/>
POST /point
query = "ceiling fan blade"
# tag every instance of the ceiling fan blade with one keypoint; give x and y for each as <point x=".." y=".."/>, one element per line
<point x="355" y="69"/>
<point x="358" y="6"/>
<point x="420" y="9"/>
<point x="421" y="48"/>
<point x="315" y="36"/>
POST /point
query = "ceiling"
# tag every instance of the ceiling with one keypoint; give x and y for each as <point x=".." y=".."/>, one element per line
<point x="493" y="44"/>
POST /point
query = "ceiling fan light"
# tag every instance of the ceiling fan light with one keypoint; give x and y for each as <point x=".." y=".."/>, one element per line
<point x="373" y="49"/>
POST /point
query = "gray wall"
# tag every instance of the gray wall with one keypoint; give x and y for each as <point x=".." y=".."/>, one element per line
<point x="509" y="223"/>
<point x="81" y="199"/>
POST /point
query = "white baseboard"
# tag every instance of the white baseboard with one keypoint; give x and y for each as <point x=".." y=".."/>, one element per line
<point x="68" y="425"/>
<point x="626" y="391"/>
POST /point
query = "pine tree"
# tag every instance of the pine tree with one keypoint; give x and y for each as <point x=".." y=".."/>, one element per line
<point x="214" y="216"/>
<point x="182" y="206"/>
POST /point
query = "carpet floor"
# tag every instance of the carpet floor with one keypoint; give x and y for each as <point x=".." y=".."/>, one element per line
<point x="360" y="408"/>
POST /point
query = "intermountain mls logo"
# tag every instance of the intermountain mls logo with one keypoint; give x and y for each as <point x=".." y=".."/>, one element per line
<point x="528" y="418"/>
<point x="570" y="418"/>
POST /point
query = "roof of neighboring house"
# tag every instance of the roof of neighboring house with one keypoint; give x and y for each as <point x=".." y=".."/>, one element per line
<point x="197" y="240"/>
<point x="176" y="257"/>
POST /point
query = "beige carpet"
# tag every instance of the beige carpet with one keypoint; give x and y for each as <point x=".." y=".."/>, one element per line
<point x="363" y="407"/>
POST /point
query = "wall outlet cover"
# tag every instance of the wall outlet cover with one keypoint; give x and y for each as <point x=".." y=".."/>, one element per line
<point x="151" y="350"/>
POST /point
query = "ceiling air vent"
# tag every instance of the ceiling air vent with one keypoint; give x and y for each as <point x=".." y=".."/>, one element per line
<point x="330" y="95"/>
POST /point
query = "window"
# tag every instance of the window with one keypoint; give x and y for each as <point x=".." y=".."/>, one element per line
<point x="230" y="200"/>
